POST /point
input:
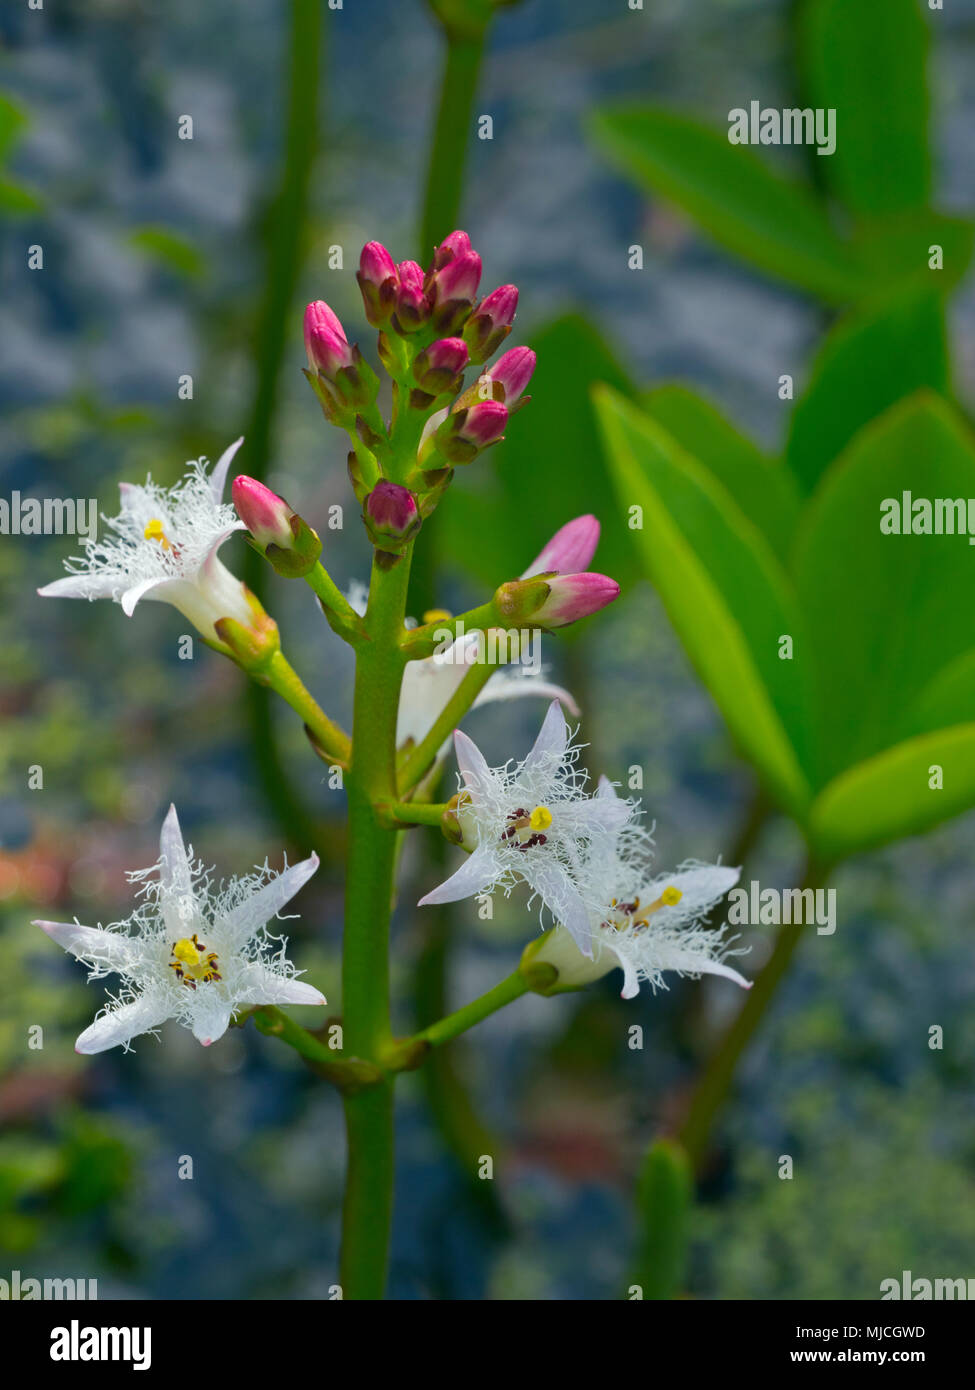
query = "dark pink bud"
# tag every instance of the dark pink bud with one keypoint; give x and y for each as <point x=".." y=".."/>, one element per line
<point x="376" y="264"/>
<point x="378" y="281"/>
<point x="325" y="341"/>
<point x="570" y="550"/>
<point x="458" y="280"/>
<point x="513" y="371"/>
<point x="391" y="516"/>
<point x="457" y="244"/>
<point x="485" y="423"/>
<point x="574" y="596"/>
<point x="461" y="435"/>
<point x="412" y="304"/>
<point x="490" y="323"/>
<point x="437" y="367"/>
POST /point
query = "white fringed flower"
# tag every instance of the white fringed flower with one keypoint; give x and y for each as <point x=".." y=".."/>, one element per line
<point x="644" y="923"/>
<point x="533" y="822"/>
<point x="193" y="950"/>
<point x="164" y="548"/>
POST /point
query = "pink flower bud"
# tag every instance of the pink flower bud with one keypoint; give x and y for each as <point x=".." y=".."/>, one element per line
<point x="378" y="282"/>
<point x="457" y="244"/>
<point x="391" y="514"/>
<point x="266" y="515"/>
<point x="325" y="341"/>
<point x="574" y="596"/>
<point x="490" y="323"/>
<point x="570" y="550"/>
<point x="277" y="530"/>
<point x="462" y="434"/>
<point x="412" y="304"/>
<point x="437" y="367"/>
<point x="485" y="423"/>
<point x="458" y="280"/>
<point x="513" y="371"/>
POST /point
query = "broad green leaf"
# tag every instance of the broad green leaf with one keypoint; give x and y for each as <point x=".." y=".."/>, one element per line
<point x="664" y="1195"/>
<point x="550" y="467"/>
<point x="764" y="490"/>
<point x="866" y="59"/>
<point x="169" y="250"/>
<point x="867" y="363"/>
<point x="767" y="219"/>
<point x="948" y="698"/>
<point x="899" y="248"/>
<point x="723" y="589"/>
<point x="885" y="613"/>
<point x="891" y="795"/>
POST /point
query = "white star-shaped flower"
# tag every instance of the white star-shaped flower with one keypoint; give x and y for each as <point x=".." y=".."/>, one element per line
<point x="164" y="548"/>
<point x="644" y="923"/>
<point x="533" y="822"/>
<point x="193" y="950"/>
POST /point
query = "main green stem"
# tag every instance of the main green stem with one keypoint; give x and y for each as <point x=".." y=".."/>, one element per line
<point x="371" y="780"/>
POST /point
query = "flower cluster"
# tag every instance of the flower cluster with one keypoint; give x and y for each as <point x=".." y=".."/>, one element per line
<point x="588" y="859"/>
<point x="192" y="950"/>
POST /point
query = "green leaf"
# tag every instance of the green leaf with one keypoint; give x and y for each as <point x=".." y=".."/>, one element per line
<point x="897" y="248"/>
<point x="867" y="363"/>
<point x="764" y="490"/>
<point x="16" y="200"/>
<point x="663" y="1197"/>
<point x="725" y="592"/>
<point x="867" y="62"/>
<point x="769" y="220"/>
<point x="890" y="796"/>
<point x="549" y="469"/>
<point x="885" y="613"/>
<point x="169" y="250"/>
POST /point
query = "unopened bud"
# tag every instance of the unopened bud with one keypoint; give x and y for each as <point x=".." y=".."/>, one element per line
<point x="490" y="323"/>
<point x="412" y="303"/>
<point x="513" y="372"/>
<point x="438" y="367"/>
<point x="325" y="341"/>
<point x="378" y="281"/>
<point x="466" y="432"/>
<point x="391" y="516"/>
<point x="277" y="530"/>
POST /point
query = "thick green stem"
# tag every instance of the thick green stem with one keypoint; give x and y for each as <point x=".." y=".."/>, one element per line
<point x="715" y="1082"/>
<point x="367" y="1211"/>
<point x="368" y="1203"/>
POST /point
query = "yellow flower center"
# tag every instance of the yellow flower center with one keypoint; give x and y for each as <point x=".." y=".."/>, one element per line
<point x="436" y="615"/>
<point x="193" y="962"/>
<point x="634" y="916"/>
<point x="154" y="532"/>
<point x="540" y="818"/>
